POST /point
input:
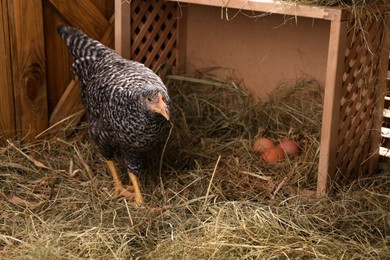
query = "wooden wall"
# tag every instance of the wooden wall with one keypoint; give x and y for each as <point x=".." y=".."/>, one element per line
<point x="7" y="116"/>
<point x="90" y="16"/>
<point x="93" y="17"/>
<point x="25" y="98"/>
<point x="36" y="83"/>
<point x="265" y="51"/>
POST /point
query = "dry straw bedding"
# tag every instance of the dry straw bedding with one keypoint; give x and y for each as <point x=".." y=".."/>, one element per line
<point x="212" y="199"/>
<point x="215" y="198"/>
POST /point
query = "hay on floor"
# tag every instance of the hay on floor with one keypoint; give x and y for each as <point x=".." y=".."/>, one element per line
<point x="215" y="199"/>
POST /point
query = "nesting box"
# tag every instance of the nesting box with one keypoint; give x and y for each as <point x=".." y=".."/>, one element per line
<point x="268" y="42"/>
<point x="262" y="41"/>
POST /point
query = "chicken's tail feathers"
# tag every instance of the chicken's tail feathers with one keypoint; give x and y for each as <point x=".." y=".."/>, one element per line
<point x="83" y="48"/>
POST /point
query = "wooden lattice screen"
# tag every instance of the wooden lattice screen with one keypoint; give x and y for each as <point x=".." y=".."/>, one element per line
<point x="154" y="27"/>
<point x="362" y="91"/>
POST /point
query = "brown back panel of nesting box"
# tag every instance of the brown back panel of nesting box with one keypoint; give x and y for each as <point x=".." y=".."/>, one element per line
<point x="154" y="32"/>
<point x="362" y="91"/>
<point x="262" y="50"/>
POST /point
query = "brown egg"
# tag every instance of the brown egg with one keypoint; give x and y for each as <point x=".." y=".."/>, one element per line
<point x="290" y="147"/>
<point x="273" y="155"/>
<point x="262" y="144"/>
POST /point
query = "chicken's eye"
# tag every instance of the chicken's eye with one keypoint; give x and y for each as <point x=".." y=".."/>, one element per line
<point x="149" y="99"/>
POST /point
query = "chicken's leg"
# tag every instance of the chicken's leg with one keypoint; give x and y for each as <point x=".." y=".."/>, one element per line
<point x="120" y="191"/>
<point x="139" y="199"/>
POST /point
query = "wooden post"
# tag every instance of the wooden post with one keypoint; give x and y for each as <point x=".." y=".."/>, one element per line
<point x="28" y="66"/>
<point x="7" y="108"/>
<point x="331" y="110"/>
<point x="181" y="57"/>
<point x="122" y="28"/>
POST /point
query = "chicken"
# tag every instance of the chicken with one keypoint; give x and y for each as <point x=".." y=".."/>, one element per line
<point x="127" y="105"/>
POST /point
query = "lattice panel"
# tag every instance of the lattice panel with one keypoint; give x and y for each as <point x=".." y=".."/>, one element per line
<point x="360" y="92"/>
<point x="154" y="30"/>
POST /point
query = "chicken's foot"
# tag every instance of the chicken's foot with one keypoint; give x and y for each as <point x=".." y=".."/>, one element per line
<point x="122" y="191"/>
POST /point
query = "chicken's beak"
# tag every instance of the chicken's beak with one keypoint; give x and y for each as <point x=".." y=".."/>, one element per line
<point x="160" y="107"/>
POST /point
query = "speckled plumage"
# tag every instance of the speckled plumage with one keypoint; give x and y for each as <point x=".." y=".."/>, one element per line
<point x="115" y="93"/>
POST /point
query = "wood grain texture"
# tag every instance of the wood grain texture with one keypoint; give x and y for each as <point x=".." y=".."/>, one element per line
<point x="122" y="28"/>
<point x="58" y="61"/>
<point x="70" y="102"/>
<point x="181" y="46"/>
<point x="331" y="110"/>
<point x="94" y="23"/>
<point x="275" y="7"/>
<point x="106" y="7"/>
<point x="84" y="15"/>
<point x="7" y="109"/>
<point x="28" y="66"/>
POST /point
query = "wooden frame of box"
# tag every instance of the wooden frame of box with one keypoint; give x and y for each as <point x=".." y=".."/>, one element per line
<point x="354" y="82"/>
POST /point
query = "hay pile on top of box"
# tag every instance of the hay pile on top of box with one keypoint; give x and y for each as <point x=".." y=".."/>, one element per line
<point x="341" y="3"/>
<point x="360" y="9"/>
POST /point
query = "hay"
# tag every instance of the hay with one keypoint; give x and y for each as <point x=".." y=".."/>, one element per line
<point x="222" y="119"/>
<point x="361" y="10"/>
<point x="341" y="3"/>
<point x="216" y="200"/>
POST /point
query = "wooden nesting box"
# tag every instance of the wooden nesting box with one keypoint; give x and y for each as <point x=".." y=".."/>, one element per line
<point x="280" y="42"/>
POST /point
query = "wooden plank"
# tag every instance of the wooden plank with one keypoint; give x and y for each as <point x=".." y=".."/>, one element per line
<point x="57" y="55"/>
<point x="181" y="45"/>
<point x="70" y="102"/>
<point x="7" y="109"/>
<point x="58" y="60"/>
<point x="122" y="28"/>
<point x="84" y="15"/>
<point x="331" y="110"/>
<point x="106" y="7"/>
<point x="28" y="66"/>
<point x="270" y="6"/>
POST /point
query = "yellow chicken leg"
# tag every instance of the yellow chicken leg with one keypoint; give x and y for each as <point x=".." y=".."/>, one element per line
<point x="120" y="190"/>
<point x="139" y="199"/>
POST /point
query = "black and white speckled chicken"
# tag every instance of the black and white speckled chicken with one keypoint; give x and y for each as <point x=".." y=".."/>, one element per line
<point x="127" y="104"/>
